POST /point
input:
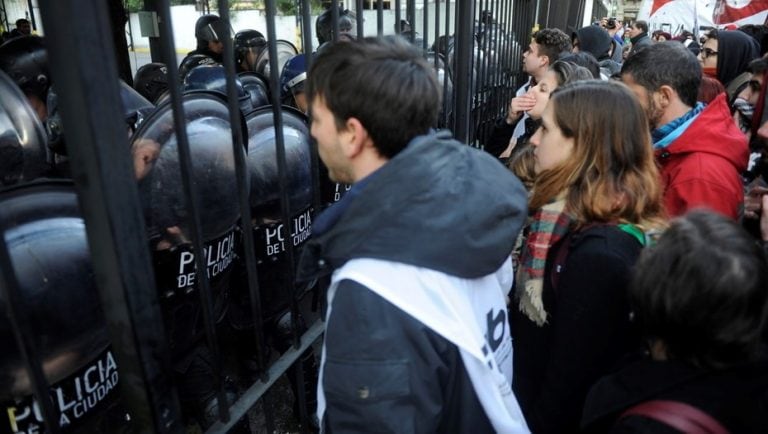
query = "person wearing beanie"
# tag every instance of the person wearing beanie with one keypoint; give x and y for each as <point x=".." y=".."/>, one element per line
<point x="596" y="41"/>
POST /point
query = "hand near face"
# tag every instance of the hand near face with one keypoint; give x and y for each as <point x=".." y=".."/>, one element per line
<point x="518" y="105"/>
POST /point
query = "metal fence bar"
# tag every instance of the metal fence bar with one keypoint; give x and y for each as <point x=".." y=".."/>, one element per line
<point x="359" y="18"/>
<point x="109" y="200"/>
<point x="258" y="389"/>
<point x="463" y="78"/>
<point x="334" y="19"/>
<point x="398" y="17"/>
<point x="282" y="170"/>
<point x="379" y="18"/>
<point x="192" y="202"/>
<point x="425" y="26"/>
<point x="241" y="173"/>
<point x="25" y="341"/>
<point x="410" y="15"/>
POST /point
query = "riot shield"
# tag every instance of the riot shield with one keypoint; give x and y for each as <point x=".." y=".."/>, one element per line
<point x="46" y="239"/>
<point x="270" y="232"/>
<point x="285" y="50"/>
<point x="168" y="220"/>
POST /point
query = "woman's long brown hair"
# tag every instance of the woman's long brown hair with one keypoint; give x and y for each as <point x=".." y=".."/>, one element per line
<point x="611" y="176"/>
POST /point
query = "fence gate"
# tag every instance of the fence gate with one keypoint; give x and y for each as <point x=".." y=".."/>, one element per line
<point x="476" y="47"/>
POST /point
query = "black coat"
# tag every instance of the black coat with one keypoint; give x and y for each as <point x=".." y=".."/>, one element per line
<point x="735" y="397"/>
<point x="588" y="332"/>
<point x="438" y="205"/>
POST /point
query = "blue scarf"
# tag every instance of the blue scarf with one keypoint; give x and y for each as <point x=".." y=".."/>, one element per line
<point x="666" y="134"/>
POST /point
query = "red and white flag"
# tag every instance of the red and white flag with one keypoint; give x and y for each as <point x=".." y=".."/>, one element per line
<point x="677" y="15"/>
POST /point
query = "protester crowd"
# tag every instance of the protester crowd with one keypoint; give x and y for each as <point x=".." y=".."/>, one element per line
<point x="598" y="267"/>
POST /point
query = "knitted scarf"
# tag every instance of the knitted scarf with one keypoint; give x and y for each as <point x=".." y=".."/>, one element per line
<point x="659" y="134"/>
<point x="548" y="225"/>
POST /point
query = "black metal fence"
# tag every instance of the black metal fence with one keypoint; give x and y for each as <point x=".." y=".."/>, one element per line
<point x="476" y="45"/>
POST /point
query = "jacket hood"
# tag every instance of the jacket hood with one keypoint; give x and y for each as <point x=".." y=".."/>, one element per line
<point x="735" y="49"/>
<point x="713" y="132"/>
<point x="595" y="40"/>
<point x="438" y="204"/>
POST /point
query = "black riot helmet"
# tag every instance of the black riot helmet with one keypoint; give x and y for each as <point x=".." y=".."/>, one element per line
<point x="154" y="148"/>
<point x="46" y="240"/>
<point x="214" y="78"/>
<point x="25" y="60"/>
<point x="210" y="28"/>
<point x="134" y="109"/>
<point x="194" y="60"/>
<point x="270" y="233"/>
<point x="249" y="44"/>
<point x="23" y="152"/>
<point x="135" y="106"/>
<point x="257" y="88"/>
<point x="324" y="25"/>
<point x="151" y="81"/>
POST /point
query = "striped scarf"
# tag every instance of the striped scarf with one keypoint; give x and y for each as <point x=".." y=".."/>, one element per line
<point x="548" y="225"/>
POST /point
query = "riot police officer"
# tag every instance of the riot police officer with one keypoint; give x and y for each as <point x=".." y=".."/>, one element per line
<point x="209" y="32"/>
<point x="347" y="26"/>
<point x="249" y="44"/>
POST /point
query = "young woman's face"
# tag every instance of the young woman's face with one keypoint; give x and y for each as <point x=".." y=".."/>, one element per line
<point x="541" y="92"/>
<point x="552" y="148"/>
<point x="708" y="54"/>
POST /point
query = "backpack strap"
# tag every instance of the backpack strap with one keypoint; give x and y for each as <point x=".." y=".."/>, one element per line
<point x="678" y="415"/>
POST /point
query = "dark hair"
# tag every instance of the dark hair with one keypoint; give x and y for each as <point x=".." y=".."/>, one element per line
<point x="642" y="25"/>
<point x="709" y="89"/>
<point x="666" y="63"/>
<point x="567" y="72"/>
<point x="376" y="80"/>
<point x="552" y="43"/>
<point x="703" y="290"/>
<point x="21" y="21"/>
<point x="585" y="59"/>
<point x="757" y="66"/>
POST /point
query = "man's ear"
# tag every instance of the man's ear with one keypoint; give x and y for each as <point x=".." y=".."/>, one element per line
<point x="666" y="95"/>
<point x="355" y="137"/>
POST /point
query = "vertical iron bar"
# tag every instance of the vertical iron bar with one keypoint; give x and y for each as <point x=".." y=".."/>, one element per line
<point x="450" y="68"/>
<point x="410" y="15"/>
<point x="359" y="18"/>
<point x="282" y="170"/>
<point x="241" y="174"/>
<point x="379" y="18"/>
<point x="108" y="196"/>
<point x="334" y="19"/>
<point x="32" y="19"/>
<point x="437" y="34"/>
<point x="190" y="196"/>
<point x="424" y="25"/>
<point x="25" y="341"/>
<point x="463" y="77"/>
<point x="397" y="17"/>
<point x="306" y="31"/>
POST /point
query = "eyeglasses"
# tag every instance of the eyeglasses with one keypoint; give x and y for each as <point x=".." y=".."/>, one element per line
<point x="708" y="52"/>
